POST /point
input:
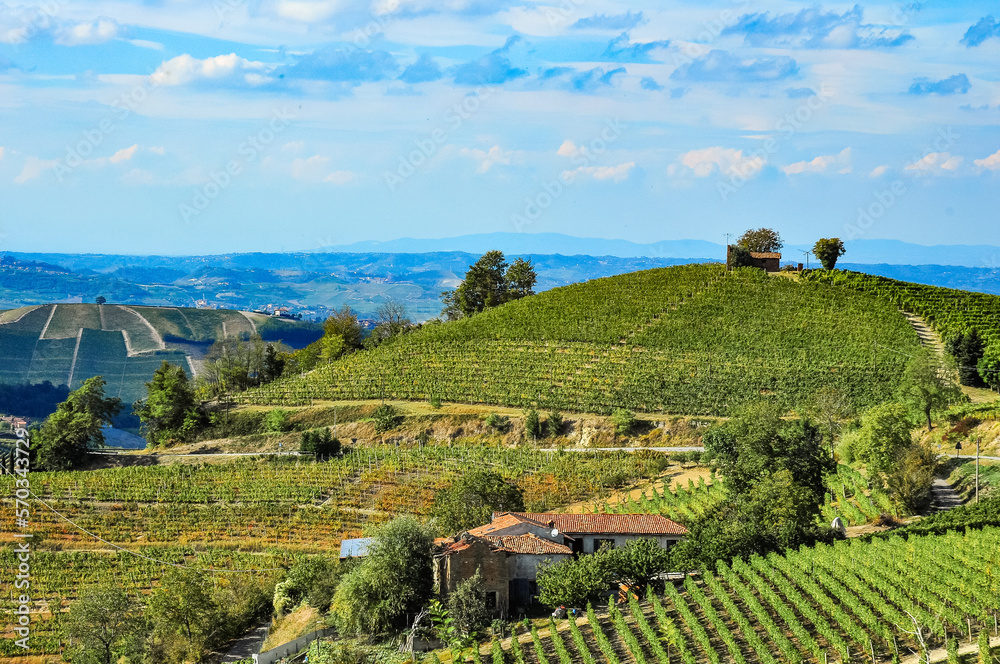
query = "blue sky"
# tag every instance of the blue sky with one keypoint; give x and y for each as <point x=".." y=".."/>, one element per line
<point x="211" y="126"/>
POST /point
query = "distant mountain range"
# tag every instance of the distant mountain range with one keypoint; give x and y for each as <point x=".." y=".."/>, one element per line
<point x="889" y="252"/>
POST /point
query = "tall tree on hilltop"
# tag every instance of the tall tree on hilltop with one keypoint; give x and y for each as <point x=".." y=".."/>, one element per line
<point x="66" y="436"/>
<point x="490" y="282"/>
<point x="967" y="348"/>
<point x="828" y="250"/>
<point x="763" y="240"/>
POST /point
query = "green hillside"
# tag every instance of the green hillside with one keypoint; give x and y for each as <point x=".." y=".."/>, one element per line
<point x="689" y="339"/>
<point x="68" y="343"/>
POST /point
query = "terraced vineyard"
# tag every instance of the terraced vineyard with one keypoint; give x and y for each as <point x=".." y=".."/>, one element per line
<point x="947" y="310"/>
<point x="849" y="602"/>
<point x="66" y="344"/>
<point x="261" y="511"/>
<point x="688" y="339"/>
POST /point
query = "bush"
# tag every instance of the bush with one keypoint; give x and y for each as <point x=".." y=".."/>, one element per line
<point x="385" y="417"/>
<point x="435" y="401"/>
<point x="624" y="421"/>
<point x="497" y="422"/>
<point x="319" y="442"/>
<point x="555" y="423"/>
<point x="532" y="424"/>
<point x="277" y="420"/>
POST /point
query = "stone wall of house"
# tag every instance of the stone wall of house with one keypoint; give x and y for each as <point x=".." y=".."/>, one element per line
<point x="589" y="541"/>
<point x="491" y="564"/>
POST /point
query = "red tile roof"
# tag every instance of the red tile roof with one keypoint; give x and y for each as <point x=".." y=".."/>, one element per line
<point x="599" y="524"/>
<point x="505" y="520"/>
<point x="531" y="544"/>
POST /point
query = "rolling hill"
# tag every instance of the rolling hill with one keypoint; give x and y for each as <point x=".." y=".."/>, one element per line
<point x="689" y="339"/>
<point x="67" y="343"/>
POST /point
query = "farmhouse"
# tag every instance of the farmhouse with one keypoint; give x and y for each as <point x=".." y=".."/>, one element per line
<point x="769" y="261"/>
<point x="509" y="550"/>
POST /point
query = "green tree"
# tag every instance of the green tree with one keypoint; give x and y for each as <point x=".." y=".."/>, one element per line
<point x="555" y="423"/>
<point x="490" y="282"/>
<point x="760" y="240"/>
<point x="274" y="363"/>
<point x="169" y="413"/>
<point x="911" y="479"/>
<point x="521" y="278"/>
<point x="532" y="424"/>
<point x="885" y="434"/>
<point x="344" y="323"/>
<point x="68" y="434"/>
<point x="234" y="364"/>
<point x="828" y="250"/>
<point x="830" y="407"/>
<point x="311" y="579"/>
<point x="103" y="625"/>
<point x="968" y="349"/>
<point x="100" y="299"/>
<point x="989" y="366"/>
<point x="320" y="443"/>
<point x="623" y="420"/>
<point x="385" y="417"/>
<point x="277" y="420"/>
<point x="928" y="383"/>
<point x="572" y="582"/>
<point x="393" y="580"/>
<point x="467" y="606"/>
<point x="472" y="499"/>
<point x="738" y="257"/>
<point x="183" y="614"/>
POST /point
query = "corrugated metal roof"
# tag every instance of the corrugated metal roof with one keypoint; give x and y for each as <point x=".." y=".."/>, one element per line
<point x="355" y="548"/>
<point x="619" y="524"/>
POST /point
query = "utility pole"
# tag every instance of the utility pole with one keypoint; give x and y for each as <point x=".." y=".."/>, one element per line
<point x="807" y="255"/>
<point x="727" y="251"/>
<point x="978" y="440"/>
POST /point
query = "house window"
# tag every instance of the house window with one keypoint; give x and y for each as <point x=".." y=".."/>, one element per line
<point x="598" y="543"/>
<point x="491" y="600"/>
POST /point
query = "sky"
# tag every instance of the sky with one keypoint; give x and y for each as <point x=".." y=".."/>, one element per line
<point x="217" y="126"/>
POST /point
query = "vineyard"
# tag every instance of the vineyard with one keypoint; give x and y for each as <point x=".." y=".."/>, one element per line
<point x="259" y="512"/>
<point x="849" y="496"/>
<point x="852" y="601"/>
<point x="690" y="339"/>
<point x="947" y="310"/>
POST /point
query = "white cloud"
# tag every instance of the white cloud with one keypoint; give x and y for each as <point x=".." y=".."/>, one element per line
<point x="305" y="11"/>
<point x="339" y="178"/>
<point x="316" y="169"/>
<point x="293" y="146"/>
<point x="1" y="152"/>
<point x="706" y="161"/>
<point x="936" y="163"/>
<point x="185" y="69"/>
<point x="878" y="171"/>
<point x="486" y="160"/>
<point x="86" y="34"/>
<point x="158" y="149"/>
<point x="991" y="163"/>
<point x="145" y="43"/>
<point x="124" y="154"/>
<point x="614" y="173"/>
<point x="569" y="149"/>
<point x="841" y="161"/>
<point x="33" y="169"/>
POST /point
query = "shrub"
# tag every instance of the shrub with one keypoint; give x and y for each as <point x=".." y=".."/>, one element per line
<point x="385" y="417"/>
<point x="277" y="420"/>
<point x="624" y="421"/>
<point x="497" y="422"/>
<point x="532" y="424"/>
<point x="555" y="424"/>
<point x="319" y="442"/>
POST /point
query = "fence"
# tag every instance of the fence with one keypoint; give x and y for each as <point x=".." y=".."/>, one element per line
<point x="290" y="648"/>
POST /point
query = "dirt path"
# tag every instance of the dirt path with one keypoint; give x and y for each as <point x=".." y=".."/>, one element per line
<point x="156" y="335"/>
<point x="245" y="646"/>
<point x="928" y="337"/>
